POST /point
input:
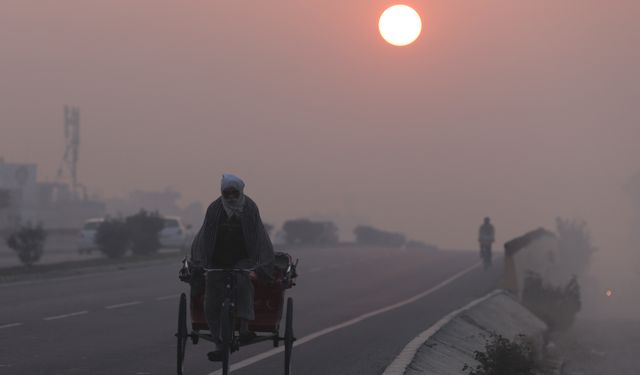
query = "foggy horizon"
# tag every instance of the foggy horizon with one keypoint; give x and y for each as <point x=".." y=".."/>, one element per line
<point x="396" y="128"/>
<point x="499" y="109"/>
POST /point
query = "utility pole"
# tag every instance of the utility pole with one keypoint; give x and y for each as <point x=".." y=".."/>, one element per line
<point x="72" y="146"/>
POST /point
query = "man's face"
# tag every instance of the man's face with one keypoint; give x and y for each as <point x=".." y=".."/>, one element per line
<point x="230" y="194"/>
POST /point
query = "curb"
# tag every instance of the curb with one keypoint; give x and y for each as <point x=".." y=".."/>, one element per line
<point x="406" y="356"/>
<point x="449" y="346"/>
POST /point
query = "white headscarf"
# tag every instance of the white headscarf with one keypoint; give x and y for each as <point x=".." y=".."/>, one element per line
<point x="232" y="206"/>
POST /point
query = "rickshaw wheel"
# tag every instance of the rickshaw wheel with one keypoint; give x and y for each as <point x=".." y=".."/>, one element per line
<point x="226" y="330"/>
<point x="182" y="333"/>
<point x="226" y="353"/>
<point x="288" y="337"/>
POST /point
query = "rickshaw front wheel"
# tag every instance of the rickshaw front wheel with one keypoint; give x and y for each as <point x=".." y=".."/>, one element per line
<point x="288" y="337"/>
<point x="226" y="330"/>
<point x="182" y="334"/>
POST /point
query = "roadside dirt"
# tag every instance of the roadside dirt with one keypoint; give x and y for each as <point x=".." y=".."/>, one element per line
<point x="598" y="347"/>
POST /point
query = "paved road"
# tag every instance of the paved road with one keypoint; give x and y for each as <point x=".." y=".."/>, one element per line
<point x="123" y="322"/>
<point x="8" y="257"/>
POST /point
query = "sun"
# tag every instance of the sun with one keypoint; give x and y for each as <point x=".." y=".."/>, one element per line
<point x="400" y="25"/>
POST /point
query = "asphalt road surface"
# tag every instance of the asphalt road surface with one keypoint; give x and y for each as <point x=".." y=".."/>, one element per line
<point x="355" y="309"/>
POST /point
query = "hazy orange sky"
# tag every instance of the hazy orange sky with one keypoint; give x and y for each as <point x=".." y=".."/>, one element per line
<point x="518" y="110"/>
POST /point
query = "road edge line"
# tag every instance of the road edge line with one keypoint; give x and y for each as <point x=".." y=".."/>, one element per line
<point x="310" y="337"/>
<point x="408" y="353"/>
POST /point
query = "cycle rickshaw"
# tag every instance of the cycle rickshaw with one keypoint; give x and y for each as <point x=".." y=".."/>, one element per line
<point x="268" y="307"/>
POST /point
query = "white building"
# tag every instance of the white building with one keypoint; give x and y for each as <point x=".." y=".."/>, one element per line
<point x="19" y="190"/>
<point x="23" y="198"/>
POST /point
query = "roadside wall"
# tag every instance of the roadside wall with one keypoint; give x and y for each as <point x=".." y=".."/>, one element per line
<point x="449" y="345"/>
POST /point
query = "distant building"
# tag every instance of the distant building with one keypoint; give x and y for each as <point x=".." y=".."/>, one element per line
<point x="18" y="192"/>
<point x="23" y="199"/>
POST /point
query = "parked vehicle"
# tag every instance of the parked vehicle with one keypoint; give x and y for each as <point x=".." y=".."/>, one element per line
<point x="174" y="233"/>
<point x="87" y="236"/>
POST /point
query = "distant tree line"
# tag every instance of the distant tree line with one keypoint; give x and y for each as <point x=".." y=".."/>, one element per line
<point x="366" y="235"/>
<point x="370" y="236"/>
<point x="308" y="232"/>
<point x="139" y="232"/>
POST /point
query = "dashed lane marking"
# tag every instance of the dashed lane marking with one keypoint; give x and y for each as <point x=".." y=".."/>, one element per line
<point x="10" y="325"/>
<point x="66" y="315"/>
<point x="121" y="305"/>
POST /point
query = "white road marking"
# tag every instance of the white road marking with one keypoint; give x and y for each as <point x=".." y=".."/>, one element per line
<point x="66" y="315"/>
<point x="173" y="296"/>
<point x="326" y="331"/>
<point x="10" y="325"/>
<point x="126" y="304"/>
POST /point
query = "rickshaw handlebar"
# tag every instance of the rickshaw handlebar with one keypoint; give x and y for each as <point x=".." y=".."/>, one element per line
<point x="185" y="273"/>
<point x="247" y="270"/>
<point x="186" y="265"/>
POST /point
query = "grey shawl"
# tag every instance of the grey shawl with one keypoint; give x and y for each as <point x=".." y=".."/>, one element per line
<point x="258" y="244"/>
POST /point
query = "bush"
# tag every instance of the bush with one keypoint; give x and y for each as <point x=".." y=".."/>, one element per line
<point x="28" y="242"/>
<point x="556" y="306"/>
<point x="575" y="245"/>
<point x="304" y="231"/>
<point x="366" y="235"/>
<point x="112" y="238"/>
<point x="504" y="357"/>
<point x="144" y="228"/>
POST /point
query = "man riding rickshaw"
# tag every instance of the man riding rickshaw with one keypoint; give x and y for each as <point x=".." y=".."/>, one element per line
<point x="237" y="281"/>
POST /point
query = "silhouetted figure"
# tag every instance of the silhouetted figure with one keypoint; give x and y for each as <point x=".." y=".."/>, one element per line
<point x="486" y="237"/>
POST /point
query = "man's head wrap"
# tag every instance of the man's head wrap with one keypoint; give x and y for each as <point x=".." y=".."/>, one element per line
<point x="232" y="206"/>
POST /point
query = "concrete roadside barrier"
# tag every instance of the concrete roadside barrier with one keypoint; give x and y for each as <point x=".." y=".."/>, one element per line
<point x="450" y="344"/>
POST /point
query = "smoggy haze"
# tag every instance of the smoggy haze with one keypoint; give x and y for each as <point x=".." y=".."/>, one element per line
<point x="518" y="110"/>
